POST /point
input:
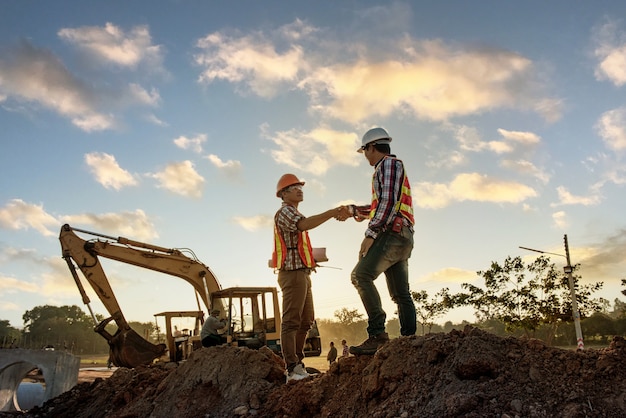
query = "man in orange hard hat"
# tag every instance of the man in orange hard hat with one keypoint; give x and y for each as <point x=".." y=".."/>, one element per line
<point x="388" y="242"/>
<point x="293" y="258"/>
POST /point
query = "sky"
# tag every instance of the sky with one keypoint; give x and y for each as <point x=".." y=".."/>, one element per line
<point x="170" y="123"/>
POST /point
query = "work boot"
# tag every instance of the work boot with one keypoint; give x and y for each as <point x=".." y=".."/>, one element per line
<point x="371" y="345"/>
<point x="298" y="373"/>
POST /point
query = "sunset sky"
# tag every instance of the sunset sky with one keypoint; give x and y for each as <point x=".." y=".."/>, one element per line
<point x="170" y="122"/>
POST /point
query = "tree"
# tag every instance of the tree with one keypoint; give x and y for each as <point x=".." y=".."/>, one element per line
<point x="598" y="327"/>
<point x="527" y="296"/>
<point x="8" y="334"/>
<point x="65" y="327"/>
<point x="428" y="310"/>
<point x="619" y="309"/>
<point x="348" y="317"/>
<point x="146" y="330"/>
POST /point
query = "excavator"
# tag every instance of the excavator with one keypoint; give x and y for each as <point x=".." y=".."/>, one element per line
<point x="252" y="314"/>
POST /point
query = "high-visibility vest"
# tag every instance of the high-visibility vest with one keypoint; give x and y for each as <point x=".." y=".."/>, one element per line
<point x="280" y="249"/>
<point x="404" y="205"/>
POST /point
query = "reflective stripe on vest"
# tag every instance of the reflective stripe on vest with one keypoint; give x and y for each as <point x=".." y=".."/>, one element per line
<point x="280" y="250"/>
<point x="404" y="205"/>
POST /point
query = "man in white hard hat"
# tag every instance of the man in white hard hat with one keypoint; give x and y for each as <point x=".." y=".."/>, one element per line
<point x="293" y="258"/>
<point x="388" y="242"/>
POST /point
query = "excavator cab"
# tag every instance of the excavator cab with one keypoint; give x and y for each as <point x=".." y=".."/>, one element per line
<point x="181" y="343"/>
<point x="252" y="314"/>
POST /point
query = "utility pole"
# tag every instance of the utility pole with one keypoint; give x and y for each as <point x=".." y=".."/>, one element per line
<point x="568" y="269"/>
<point x="575" y="313"/>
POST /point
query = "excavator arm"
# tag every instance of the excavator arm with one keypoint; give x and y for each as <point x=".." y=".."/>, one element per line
<point x="127" y="348"/>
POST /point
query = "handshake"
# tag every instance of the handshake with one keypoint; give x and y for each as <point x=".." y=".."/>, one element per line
<point x="347" y="211"/>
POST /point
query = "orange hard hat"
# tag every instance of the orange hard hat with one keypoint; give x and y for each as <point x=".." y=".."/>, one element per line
<point x="287" y="180"/>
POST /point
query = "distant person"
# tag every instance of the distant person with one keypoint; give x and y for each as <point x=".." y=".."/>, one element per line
<point x="344" y="349"/>
<point x="388" y="242"/>
<point x="293" y="258"/>
<point x="332" y="354"/>
<point x="177" y="332"/>
<point x="209" y="335"/>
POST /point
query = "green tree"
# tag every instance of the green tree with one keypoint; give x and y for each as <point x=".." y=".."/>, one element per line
<point x="146" y="330"/>
<point x="348" y="325"/>
<point x="619" y="309"/>
<point x="428" y="310"/>
<point x="526" y="296"/>
<point x="9" y="335"/>
<point x="348" y="317"/>
<point x="64" y="327"/>
<point x="598" y="328"/>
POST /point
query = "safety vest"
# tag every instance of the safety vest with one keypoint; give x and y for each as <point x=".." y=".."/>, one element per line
<point x="404" y="205"/>
<point x="280" y="249"/>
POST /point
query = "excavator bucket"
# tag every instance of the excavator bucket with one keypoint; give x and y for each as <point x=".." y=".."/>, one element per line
<point x="129" y="349"/>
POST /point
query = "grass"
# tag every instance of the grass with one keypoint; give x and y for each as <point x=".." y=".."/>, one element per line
<point x="91" y="360"/>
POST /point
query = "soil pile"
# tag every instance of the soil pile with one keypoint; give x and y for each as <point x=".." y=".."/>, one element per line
<point x="468" y="373"/>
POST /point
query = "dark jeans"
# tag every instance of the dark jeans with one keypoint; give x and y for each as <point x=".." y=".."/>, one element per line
<point x="211" y="340"/>
<point x="388" y="254"/>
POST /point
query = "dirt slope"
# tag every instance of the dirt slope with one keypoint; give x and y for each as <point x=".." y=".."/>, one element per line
<point x="467" y="373"/>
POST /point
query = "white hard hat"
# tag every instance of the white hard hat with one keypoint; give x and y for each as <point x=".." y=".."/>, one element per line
<point x="378" y="135"/>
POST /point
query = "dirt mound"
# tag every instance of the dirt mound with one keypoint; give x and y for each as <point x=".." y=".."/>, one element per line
<point x="468" y="373"/>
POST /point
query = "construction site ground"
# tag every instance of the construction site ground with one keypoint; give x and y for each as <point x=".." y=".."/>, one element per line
<point x="468" y="373"/>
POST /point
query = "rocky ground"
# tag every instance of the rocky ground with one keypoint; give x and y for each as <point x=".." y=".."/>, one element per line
<point x="468" y="373"/>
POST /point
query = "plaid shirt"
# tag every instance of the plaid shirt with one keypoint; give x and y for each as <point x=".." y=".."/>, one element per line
<point x="287" y="219"/>
<point x="387" y="183"/>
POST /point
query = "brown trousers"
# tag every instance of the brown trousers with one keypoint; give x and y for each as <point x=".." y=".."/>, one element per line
<point x="298" y="314"/>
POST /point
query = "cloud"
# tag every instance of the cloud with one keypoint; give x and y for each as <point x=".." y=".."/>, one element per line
<point x="427" y="79"/>
<point x="560" y="220"/>
<point x="110" y="44"/>
<point x="180" y="178"/>
<point x="469" y="186"/>
<point x="131" y="224"/>
<point x="141" y="95"/>
<point x="18" y="214"/>
<point x="610" y="50"/>
<point x="450" y="275"/>
<point x="35" y="75"/>
<point x="527" y="168"/>
<point x="611" y="126"/>
<point x="610" y="167"/>
<point x="6" y="306"/>
<point x="315" y="151"/>
<point x="354" y="81"/>
<point x="14" y="254"/>
<point x="524" y="138"/>
<point x="566" y="198"/>
<point x="13" y="285"/>
<point x="155" y="120"/>
<point x="253" y="60"/>
<point x="605" y="258"/>
<point x="194" y="144"/>
<point x="253" y="223"/>
<point x="447" y="159"/>
<point x="107" y="172"/>
<point x="469" y="139"/>
<point x="230" y="168"/>
<point x="57" y="281"/>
